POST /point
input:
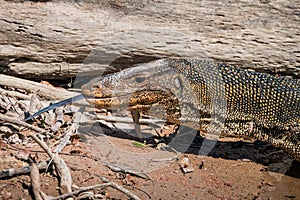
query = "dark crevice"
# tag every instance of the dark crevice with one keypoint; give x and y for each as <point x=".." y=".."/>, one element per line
<point x="37" y="35"/>
<point x="15" y="22"/>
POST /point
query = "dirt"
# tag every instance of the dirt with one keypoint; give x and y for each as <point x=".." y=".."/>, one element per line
<point x="233" y="169"/>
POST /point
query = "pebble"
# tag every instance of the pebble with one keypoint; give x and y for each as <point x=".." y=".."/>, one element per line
<point x="186" y="166"/>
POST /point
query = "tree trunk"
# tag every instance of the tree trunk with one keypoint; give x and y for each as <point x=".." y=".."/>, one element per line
<point x="54" y="39"/>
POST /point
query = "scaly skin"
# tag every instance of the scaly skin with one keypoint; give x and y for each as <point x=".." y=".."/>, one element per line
<point x="205" y="95"/>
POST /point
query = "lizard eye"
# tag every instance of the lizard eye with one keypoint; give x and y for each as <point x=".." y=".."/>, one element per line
<point x="139" y="79"/>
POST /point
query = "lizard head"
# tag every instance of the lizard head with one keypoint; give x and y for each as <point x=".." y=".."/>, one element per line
<point x="140" y="87"/>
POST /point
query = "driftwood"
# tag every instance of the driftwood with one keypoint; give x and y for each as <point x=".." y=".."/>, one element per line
<point x="46" y="91"/>
<point x="53" y="39"/>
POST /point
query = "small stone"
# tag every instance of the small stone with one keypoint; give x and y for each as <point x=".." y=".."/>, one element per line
<point x="186" y="166"/>
<point x="245" y="160"/>
<point x="14" y="139"/>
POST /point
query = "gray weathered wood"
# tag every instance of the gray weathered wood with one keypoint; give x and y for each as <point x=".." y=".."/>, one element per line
<point x="57" y="39"/>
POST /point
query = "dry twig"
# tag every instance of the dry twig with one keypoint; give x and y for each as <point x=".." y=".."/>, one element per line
<point x="66" y="138"/>
<point x="61" y="167"/>
<point x="59" y="119"/>
<point x="83" y="189"/>
<point x="15" y="94"/>
<point x="21" y="123"/>
<point x="128" y="120"/>
<point x="24" y="170"/>
<point x="120" y="188"/>
<point x="35" y="181"/>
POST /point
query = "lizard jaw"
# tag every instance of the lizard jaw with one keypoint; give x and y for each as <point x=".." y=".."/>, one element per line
<point x="106" y="103"/>
<point x="139" y="100"/>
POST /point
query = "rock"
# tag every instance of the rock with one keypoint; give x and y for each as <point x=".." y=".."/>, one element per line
<point x="186" y="166"/>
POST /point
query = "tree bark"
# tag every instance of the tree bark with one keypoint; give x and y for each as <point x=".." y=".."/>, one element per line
<point x="54" y="39"/>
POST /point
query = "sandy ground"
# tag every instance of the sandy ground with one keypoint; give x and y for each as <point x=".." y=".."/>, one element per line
<point x="233" y="169"/>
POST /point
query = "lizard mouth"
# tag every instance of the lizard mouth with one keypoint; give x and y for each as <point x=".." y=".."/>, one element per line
<point x="140" y="100"/>
<point x="109" y="96"/>
<point x="162" y="104"/>
<point x="107" y="102"/>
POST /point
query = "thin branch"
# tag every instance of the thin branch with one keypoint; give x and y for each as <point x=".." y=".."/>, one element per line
<point x="120" y="188"/>
<point x="83" y="189"/>
<point x="60" y="165"/>
<point x="21" y="123"/>
<point x="127" y="119"/>
<point x="35" y="181"/>
<point x="66" y="138"/>
<point x="59" y="120"/>
<point x="24" y="170"/>
<point x="15" y="94"/>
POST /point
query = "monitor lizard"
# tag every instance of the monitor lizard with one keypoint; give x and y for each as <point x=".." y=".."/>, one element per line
<point x="206" y="95"/>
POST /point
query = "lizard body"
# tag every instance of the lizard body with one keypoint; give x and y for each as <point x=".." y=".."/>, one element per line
<point x="206" y="96"/>
<point x="238" y="102"/>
